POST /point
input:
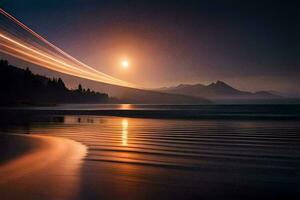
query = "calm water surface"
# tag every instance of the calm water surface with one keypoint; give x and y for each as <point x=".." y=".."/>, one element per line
<point x="253" y="112"/>
<point x="133" y="158"/>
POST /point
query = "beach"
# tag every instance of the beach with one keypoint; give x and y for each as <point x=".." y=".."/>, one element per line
<point x="47" y="168"/>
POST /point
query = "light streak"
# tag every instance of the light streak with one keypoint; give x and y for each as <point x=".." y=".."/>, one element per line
<point x="20" y="49"/>
<point x="48" y="43"/>
<point x="37" y="50"/>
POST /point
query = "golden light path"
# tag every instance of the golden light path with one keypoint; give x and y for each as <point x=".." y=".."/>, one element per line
<point x="19" y="41"/>
<point x="124" y="132"/>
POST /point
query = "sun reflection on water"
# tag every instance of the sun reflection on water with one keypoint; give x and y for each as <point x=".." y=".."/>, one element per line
<point x="125" y="106"/>
<point x="124" y="132"/>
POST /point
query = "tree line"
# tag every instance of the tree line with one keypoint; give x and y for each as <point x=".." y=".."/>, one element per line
<point x="22" y="87"/>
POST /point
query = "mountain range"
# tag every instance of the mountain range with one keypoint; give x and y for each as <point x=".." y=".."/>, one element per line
<point x="220" y="91"/>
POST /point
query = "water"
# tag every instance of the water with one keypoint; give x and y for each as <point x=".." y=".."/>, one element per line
<point x="138" y="158"/>
<point x="172" y="111"/>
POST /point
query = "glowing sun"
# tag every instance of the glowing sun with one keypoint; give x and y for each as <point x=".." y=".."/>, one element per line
<point x="124" y="64"/>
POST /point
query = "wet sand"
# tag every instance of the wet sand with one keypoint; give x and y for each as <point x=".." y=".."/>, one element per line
<point x="48" y="168"/>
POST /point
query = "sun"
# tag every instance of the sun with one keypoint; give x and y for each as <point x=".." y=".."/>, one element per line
<point x="125" y="64"/>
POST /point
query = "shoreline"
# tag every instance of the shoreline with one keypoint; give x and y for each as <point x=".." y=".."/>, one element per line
<point x="44" y="167"/>
<point x="263" y="113"/>
<point x="14" y="146"/>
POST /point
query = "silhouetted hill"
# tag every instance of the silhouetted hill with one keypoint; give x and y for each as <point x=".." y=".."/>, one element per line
<point x="19" y="86"/>
<point x="221" y="92"/>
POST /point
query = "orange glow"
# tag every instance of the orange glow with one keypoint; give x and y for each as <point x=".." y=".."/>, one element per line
<point x="49" y="156"/>
<point x="125" y="106"/>
<point x="124" y="132"/>
<point x="125" y="64"/>
<point x="47" y="55"/>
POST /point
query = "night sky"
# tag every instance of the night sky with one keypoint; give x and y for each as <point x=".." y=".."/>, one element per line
<point x="252" y="45"/>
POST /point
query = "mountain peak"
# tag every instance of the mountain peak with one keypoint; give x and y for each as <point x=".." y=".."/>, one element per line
<point x="220" y="84"/>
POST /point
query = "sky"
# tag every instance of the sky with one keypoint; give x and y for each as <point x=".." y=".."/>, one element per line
<point x="252" y="45"/>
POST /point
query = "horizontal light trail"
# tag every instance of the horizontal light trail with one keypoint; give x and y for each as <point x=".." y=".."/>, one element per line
<point x="19" y="41"/>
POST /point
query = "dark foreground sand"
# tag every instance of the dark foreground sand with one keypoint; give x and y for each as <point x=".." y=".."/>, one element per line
<point x="40" y="167"/>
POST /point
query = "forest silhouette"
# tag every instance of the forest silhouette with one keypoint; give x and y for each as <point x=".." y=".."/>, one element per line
<point x="22" y="87"/>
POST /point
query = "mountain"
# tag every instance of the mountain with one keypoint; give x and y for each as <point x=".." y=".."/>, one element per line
<point x="220" y="92"/>
<point x="118" y="94"/>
